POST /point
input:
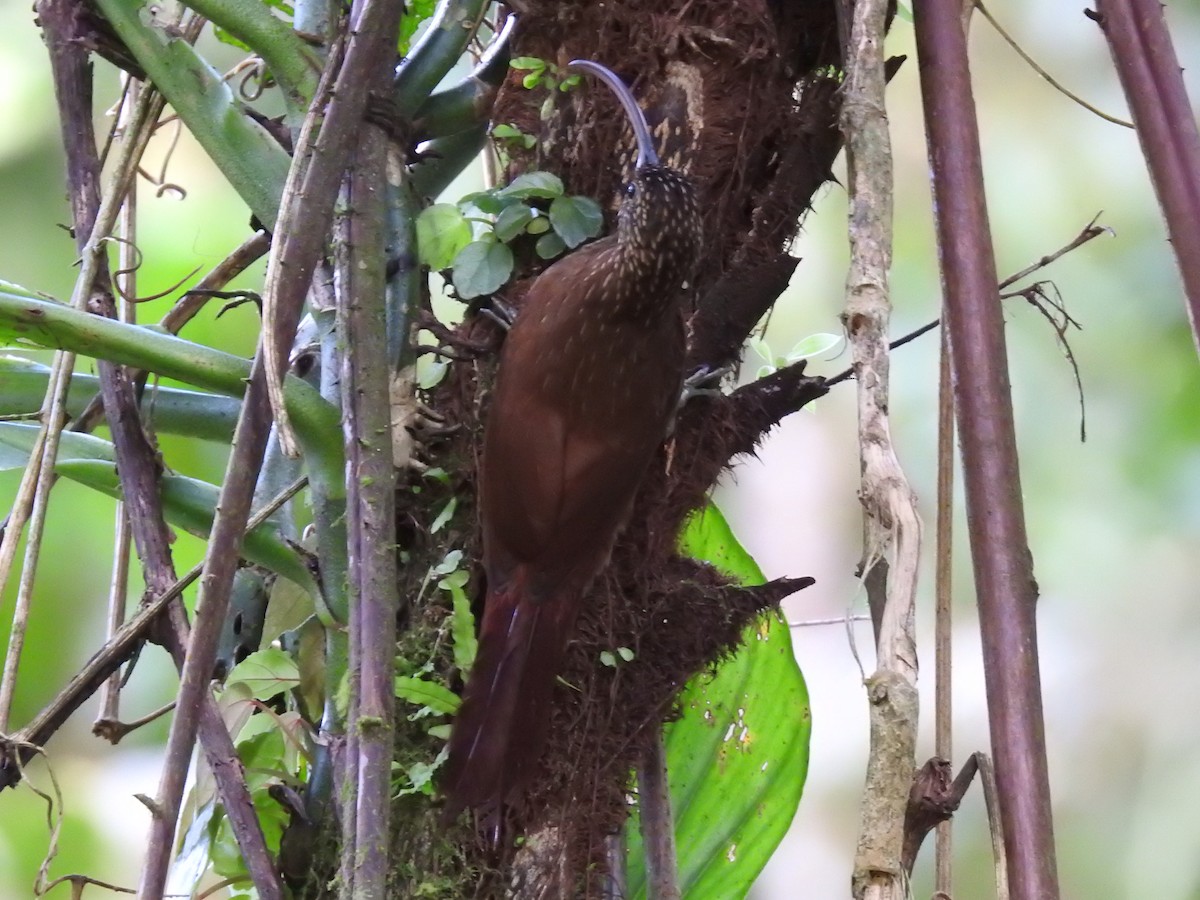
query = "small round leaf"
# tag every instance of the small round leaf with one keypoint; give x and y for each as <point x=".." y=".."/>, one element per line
<point x="576" y="219"/>
<point x="442" y="232"/>
<point x="545" y="185"/>
<point x="512" y="221"/>
<point x="550" y="245"/>
<point x="481" y="268"/>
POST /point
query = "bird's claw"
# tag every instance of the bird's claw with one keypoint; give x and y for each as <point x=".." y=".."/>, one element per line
<point x="704" y="381"/>
<point x="500" y="313"/>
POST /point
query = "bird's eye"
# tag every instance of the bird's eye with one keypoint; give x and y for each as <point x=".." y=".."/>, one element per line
<point x="630" y="189"/>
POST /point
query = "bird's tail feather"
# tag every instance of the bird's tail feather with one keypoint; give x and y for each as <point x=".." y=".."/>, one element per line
<point x="501" y="727"/>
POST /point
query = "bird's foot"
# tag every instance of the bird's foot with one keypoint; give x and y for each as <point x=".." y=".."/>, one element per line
<point x="500" y="313"/>
<point x="704" y="381"/>
<point x="414" y="425"/>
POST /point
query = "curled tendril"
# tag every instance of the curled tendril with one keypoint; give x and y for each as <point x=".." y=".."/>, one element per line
<point x="160" y="181"/>
<point x="254" y="78"/>
<point x="139" y="258"/>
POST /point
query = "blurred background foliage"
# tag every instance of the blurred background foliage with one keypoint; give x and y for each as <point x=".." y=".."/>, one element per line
<point x="1114" y="522"/>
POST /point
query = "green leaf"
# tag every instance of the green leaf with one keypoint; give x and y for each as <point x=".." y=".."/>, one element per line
<point x="738" y="756"/>
<point x="429" y="694"/>
<point x="415" y="12"/>
<point x="444" y="516"/>
<point x="542" y="185"/>
<point x="483" y="201"/>
<point x="449" y="563"/>
<point x="287" y="609"/>
<point x="481" y="268"/>
<point x="549" y="245"/>
<point x="814" y="345"/>
<point x="442" y="231"/>
<point x="532" y="63"/>
<point x="226" y="38"/>
<point x="512" y="221"/>
<point x="266" y="673"/>
<point x="539" y="224"/>
<point x="576" y="219"/>
<point x="462" y="630"/>
<point x="16" y="443"/>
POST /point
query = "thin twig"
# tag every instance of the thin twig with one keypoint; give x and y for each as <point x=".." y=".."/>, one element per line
<point x="1090" y="232"/>
<point x="125" y="281"/>
<point x="115" y="652"/>
<point x="943" y="613"/>
<point x="54" y="407"/>
<point x="1032" y="63"/>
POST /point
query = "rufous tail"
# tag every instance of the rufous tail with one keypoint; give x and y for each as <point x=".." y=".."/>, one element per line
<point x="500" y="729"/>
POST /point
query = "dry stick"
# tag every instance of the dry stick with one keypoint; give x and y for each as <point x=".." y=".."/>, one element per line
<point x="113" y="655"/>
<point x="657" y="822"/>
<point x="220" y="563"/>
<point x="196" y="706"/>
<point x="1162" y="114"/>
<point x="892" y="529"/>
<point x="1004" y="582"/>
<point x="943" y="625"/>
<point x="250" y="250"/>
<point x="991" y="799"/>
<point x="371" y="514"/>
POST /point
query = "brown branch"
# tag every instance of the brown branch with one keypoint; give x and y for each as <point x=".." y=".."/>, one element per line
<point x="370" y="510"/>
<point x="1004" y="582"/>
<point x="934" y="798"/>
<point x="1150" y="74"/>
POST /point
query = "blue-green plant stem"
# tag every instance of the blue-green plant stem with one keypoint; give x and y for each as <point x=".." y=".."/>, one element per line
<point x="291" y="61"/>
<point x="404" y="286"/>
<point x="47" y="323"/>
<point x="194" y="414"/>
<point x="445" y="158"/>
<point x="315" y="18"/>
<point x="253" y="162"/>
<point x="469" y="102"/>
<point x="450" y="31"/>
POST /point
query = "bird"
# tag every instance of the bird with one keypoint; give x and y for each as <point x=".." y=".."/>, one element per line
<point x="586" y="388"/>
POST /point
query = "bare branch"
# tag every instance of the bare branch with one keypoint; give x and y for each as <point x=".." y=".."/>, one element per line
<point x="1004" y="584"/>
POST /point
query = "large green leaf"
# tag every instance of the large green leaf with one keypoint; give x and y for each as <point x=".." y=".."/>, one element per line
<point x="738" y="756"/>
